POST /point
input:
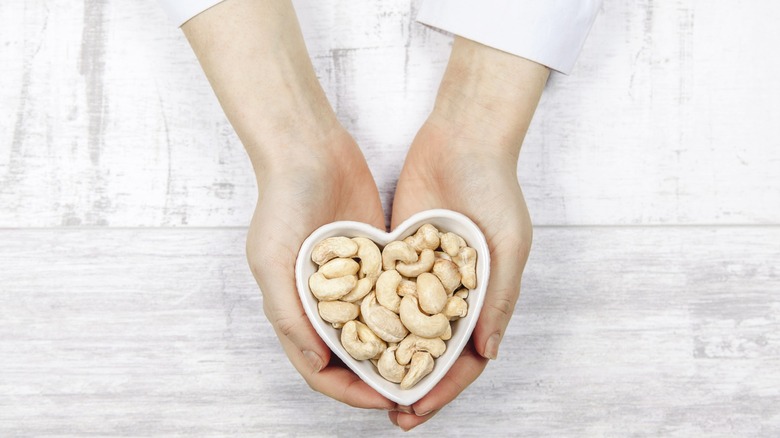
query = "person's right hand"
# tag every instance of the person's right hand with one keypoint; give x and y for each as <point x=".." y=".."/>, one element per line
<point x="310" y="185"/>
<point x="309" y="170"/>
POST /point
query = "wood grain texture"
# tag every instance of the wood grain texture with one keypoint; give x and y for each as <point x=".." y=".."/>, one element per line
<point x="664" y="331"/>
<point x="106" y="118"/>
<point x="137" y="328"/>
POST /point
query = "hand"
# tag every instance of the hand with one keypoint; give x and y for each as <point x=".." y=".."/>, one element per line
<point x="331" y="184"/>
<point x="309" y="170"/>
<point x="464" y="158"/>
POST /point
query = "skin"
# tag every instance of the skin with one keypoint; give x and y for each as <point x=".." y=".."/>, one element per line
<point x="311" y="172"/>
<point x="309" y="169"/>
<point x="464" y="158"/>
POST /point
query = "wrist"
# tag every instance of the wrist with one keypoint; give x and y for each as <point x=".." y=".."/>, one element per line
<point x="307" y="147"/>
<point x="487" y="97"/>
<point x="255" y="58"/>
<point x="290" y="139"/>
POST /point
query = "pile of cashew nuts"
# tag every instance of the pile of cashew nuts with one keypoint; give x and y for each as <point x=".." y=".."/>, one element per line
<point x="394" y="305"/>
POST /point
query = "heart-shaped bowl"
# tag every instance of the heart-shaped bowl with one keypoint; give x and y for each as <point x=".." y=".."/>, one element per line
<point x="444" y="220"/>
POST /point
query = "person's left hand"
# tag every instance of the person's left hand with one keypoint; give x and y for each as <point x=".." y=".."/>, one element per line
<point x="442" y="172"/>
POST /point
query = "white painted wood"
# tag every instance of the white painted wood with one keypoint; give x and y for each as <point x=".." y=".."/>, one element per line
<point x="663" y="331"/>
<point x="106" y="118"/>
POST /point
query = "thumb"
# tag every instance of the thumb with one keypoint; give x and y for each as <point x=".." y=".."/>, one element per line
<point x="500" y="299"/>
<point x="284" y="310"/>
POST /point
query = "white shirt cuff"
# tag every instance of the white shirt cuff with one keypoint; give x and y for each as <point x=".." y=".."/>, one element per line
<point x="180" y="11"/>
<point x="550" y="32"/>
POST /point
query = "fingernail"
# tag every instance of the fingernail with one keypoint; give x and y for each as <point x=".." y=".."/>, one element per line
<point x="405" y="409"/>
<point x="314" y="360"/>
<point x="424" y="413"/>
<point x="491" y="347"/>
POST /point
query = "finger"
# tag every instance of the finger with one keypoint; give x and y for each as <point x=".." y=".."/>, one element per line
<point x="284" y="310"/>
<point x="393" y="416"/>
<point x="404" y="408"/>
<point x="408" y="422"/>
<point x="336" y="382"/>
<point x="506" y="270"/>
<point x="462" y="374"/>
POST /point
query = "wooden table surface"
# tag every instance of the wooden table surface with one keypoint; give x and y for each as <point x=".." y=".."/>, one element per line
<point x="651" y="302"/>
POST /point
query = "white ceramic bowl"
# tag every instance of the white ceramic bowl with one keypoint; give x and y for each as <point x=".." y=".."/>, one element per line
<point x="445" y="220"/>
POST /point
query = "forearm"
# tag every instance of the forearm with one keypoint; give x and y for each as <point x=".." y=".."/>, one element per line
<point x="255" y="58"/>
<point x="487" y="97"/>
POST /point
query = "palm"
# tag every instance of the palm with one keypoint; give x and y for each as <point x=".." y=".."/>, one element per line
<point x="483" y="187"/>
<point x="292" y="204"/>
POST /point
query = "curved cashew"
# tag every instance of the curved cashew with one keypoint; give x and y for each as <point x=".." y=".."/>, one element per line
<point x="333" y="247"/>
<point x="339" y="267"/>
<point x="381" y="320"/>
<point x="387" y="290"/>
<point x="370" y="258"/>
<point x="439" y="255"/>
<point x="455" y="308"/>
<point x="448" y="274"/>
<point x="330" y="289"/>
<point x="424" y="263"/>
<point x="395" y="251"/>
<point x="359" y="341"/>
<point x="463" y="293"/>
<point x="361" y="289"/>
<point x="419" y="323"/>
<point x="467" y="265"/>
<point x="430" y="293"/>
<point x="422" y="365"/>
<point x="389" y="368"/>
<point x="451" y="243"/>
<point x="407" y="287"/>
<point x="426" y="237"/>
<point x="447" y="335"/>
<point x="337" y="312"/>
<point x="413" y="343"/>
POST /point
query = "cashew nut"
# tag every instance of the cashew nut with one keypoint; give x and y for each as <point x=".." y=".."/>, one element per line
<point x="339" y="267"/>
<point x="448" y="274"/>
<point x="413" y="343"/>
<point x="407" y="287"/>
<point x="430" y="293"/>
<point x="381" y="320"/>
<point x="370" y="258"/>
<point x="467" y="265"/>
<point x="397" y="251"/>
<point x="331" y="289"/>
<point x="422" y="365"/>
<point x="394" y="305"/>
<point x="360" y="290"/>
<point x="447" y="335"/>
<point x="455" y="308"/>
<point x="423" y="264"/>
<point x="451" y="243"/>
<point x="333" y="247"/>
<point x="359" y="341"/>
<point x="426" y="237"/>
<point x="387" y="290"/>
<point x="337" y="312"/>
<point x="419" y="323"/>
<point x="389" y="368"/>
<point x="439" y="255"/>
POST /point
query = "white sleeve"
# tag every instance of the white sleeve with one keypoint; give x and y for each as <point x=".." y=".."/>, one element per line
<point x="179" y="11"/>
<point x="550" y="32"/>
